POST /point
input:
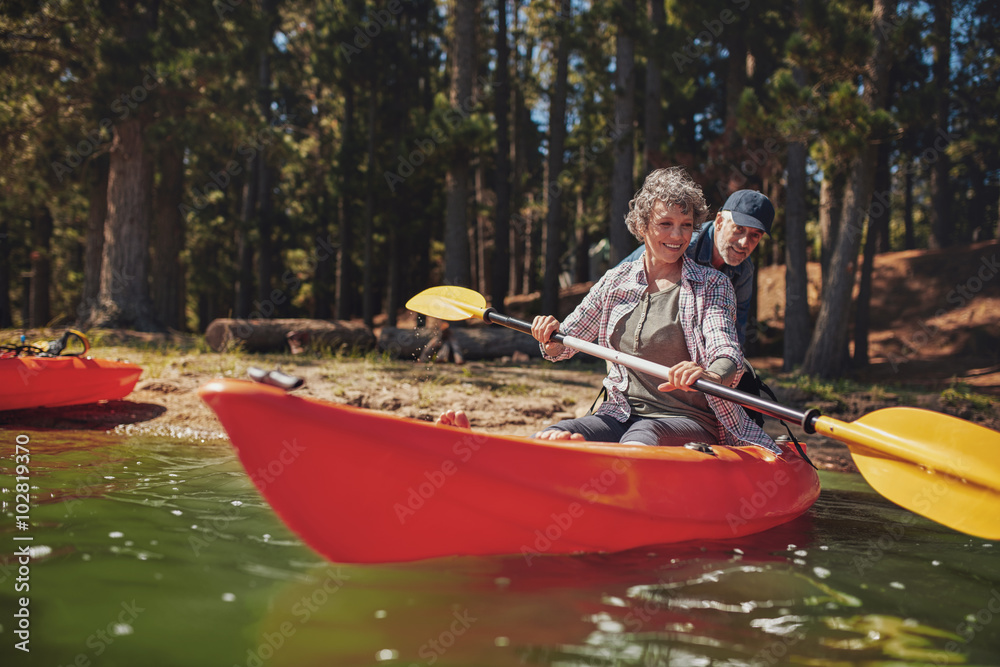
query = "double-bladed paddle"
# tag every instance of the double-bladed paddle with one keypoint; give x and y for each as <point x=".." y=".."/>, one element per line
<point x="939" y="466"/>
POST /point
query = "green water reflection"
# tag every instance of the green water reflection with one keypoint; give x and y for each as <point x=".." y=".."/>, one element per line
<point x="160" y="552"/>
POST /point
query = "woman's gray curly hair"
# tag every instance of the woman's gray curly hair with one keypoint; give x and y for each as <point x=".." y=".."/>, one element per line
<point x="674" y="187"/>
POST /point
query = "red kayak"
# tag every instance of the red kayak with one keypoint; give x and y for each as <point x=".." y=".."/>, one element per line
<point x="37" y="382"/>
<point x="365" y="487"/>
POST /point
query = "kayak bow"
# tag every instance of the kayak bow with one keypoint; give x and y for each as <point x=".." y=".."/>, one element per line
<point x="37" y="382"/>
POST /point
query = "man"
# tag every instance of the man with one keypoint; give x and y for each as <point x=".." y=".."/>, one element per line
<point x="727" y="242"/>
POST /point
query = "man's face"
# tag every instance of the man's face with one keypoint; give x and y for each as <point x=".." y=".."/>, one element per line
<point x="734" y="242"/>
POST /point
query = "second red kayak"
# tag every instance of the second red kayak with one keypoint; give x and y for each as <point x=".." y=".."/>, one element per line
<point x="45" y="382"/>
<point x="365" y="487"/>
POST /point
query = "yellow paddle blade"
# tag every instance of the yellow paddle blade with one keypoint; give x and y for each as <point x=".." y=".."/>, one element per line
<point x="448" y="302"/>
<point x="939" y="466"/>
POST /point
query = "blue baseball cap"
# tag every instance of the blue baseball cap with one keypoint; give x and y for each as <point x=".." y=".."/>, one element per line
<point x="750" y="208"/>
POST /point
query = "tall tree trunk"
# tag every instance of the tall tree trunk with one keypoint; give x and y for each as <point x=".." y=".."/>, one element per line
<point x="41" y="268"/>
<point x="368" y="292"/>
<point x="796" y="248"/>
<point x="581" y="264"/>
<point x="910" y="242"/>
<point x="528" y="273"/>
<point x="461" y="63"/>
<point x="878" y="221"/>
<point x="622" y="180"/>
<point x="942" y="223"/>
<point x="657" y="15"/>
<point x="94" y="240"/>
<point x="557" y="145"/>
<point x="831" y="202"/>
<point x="479" y="252"/>
<point x="736" y="81"/>
<point x="796" y="275"/>
<point x="265" y="241"/>
<point x="244" y="248"/>
<point x="825" y="356"/>
<point x="265" y="173"/>
<point x="345" y="217"/>
<point x="168" y="233"/>
<point x="321" y="276"/>
<point x="123" y="298"/>
<point x="501" y="223"/>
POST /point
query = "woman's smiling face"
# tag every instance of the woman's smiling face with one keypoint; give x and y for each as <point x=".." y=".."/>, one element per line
<point x="668" y="233"/>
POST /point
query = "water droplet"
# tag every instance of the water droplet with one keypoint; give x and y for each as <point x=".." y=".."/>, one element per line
<point x="897" y="584"/>
<point x="114" y="534"/>
<point x="381" y="613"/>
<point x="176" y="512"/>
<point x="121" y="629"/>
<point x="39" y="551"/>
<point x="228" y="597"/>
<point x="386" y="654"/>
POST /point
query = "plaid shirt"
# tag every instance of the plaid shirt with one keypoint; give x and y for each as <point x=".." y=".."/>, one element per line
<point x="708" y="318"/>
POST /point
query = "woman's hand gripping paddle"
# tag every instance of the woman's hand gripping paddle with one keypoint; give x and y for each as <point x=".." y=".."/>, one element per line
<point x="939" y="466"/>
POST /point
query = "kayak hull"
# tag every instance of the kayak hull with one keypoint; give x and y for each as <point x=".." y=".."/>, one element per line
<point x="47" y="382"/>
<point x="365" y="487"/>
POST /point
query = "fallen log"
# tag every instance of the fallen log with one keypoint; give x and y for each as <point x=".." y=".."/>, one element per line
<point x="282" y="334"/>
<point x="461" y="343"/>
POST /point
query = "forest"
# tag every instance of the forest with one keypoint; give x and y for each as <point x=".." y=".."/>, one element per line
<point x="166" y="164"/>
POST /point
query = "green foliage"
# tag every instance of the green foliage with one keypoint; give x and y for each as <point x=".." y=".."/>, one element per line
<point x="354" y="121"/>
<point x="960" y="395"/>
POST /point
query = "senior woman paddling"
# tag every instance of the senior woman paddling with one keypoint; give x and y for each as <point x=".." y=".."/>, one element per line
<point x="667" y="308"/>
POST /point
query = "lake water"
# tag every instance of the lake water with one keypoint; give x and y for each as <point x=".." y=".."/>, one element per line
<point x="159" y="551"/>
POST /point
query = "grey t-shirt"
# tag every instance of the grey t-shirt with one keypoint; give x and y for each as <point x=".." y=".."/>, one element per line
<point x="653" y="331"/>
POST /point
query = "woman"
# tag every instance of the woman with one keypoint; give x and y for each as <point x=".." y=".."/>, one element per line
<point x="666" y="308"/>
